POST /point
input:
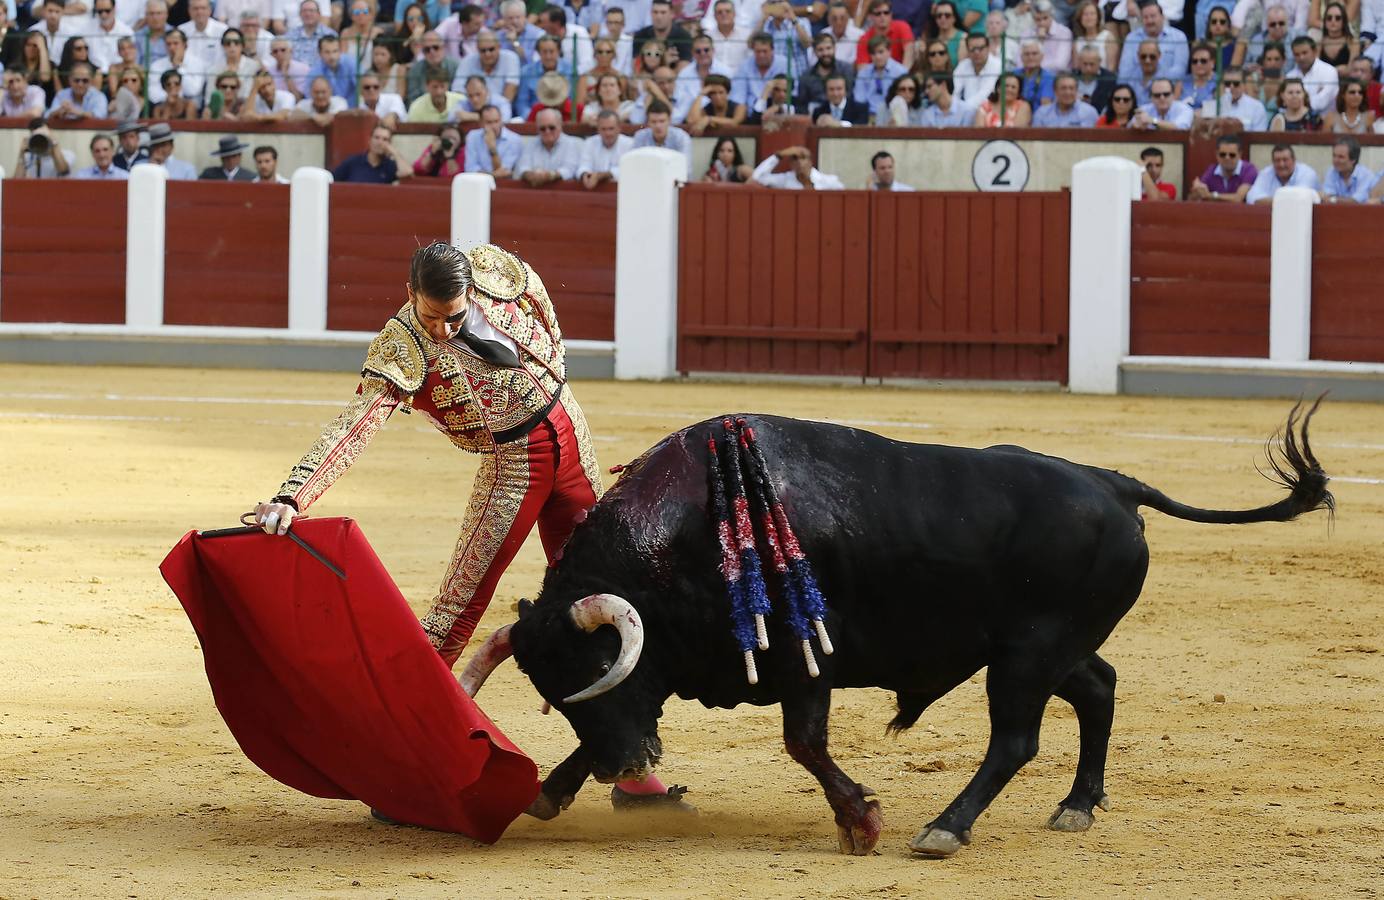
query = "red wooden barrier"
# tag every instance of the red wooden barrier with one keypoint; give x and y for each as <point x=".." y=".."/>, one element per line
<point x="1200" y="280"/>
<point x="773" y="281"/>
<point x="63" y="256"/>
<point x="1347" y="319"/>
<point x="968" y="285"/>
<point x="374" y="231"/>
<point x="226" y="254"/>
<point x="568" y="236"/>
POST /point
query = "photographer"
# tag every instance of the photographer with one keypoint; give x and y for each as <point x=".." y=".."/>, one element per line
<point x="41" y="157"/>
<point x="443" y="157"/>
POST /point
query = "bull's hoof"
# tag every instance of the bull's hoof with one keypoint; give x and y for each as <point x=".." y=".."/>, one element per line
<point x="938" y="843"/>
<point x="1067" y="819"/>
<point x="1104" y="802"/>
<point x="544" y="807"/>
<point x="624" y="801"/>
<point x="860" y="838"/>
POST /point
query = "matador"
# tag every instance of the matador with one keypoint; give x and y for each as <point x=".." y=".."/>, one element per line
<point x="478" y="351"/>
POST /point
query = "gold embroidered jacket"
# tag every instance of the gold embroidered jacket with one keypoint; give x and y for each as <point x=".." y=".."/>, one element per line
<point x="472" y="401"/>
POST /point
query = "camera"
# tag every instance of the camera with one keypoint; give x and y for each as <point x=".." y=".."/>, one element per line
<point x="39" y="145"/>
<point x="447" y="145"/>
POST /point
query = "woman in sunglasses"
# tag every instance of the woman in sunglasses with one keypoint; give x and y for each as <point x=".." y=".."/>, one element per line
<point x="129" y="98"/>
<point x="127" y="61"/>
<point x="589" y="86"/>
<point x="1337" y="47"/>
<point x="932" y="58"/>
<point x="234" y="60"/>
<point x="904" y="103"/>
<point x="76" y="50"/>
<point x="1352" y="114"/>
<point x="175" y="105"/>
<point x="225" y="101"/>
<point x="408" y="33"/>
<point x="1120" y="110"/>
<point x="393" y="75"/>
<point x="1220" y="37"/>
<point x="358" y="37"/>
<point x="944" y="26"/>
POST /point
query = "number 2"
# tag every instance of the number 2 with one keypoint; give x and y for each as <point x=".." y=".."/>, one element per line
<point x="999" y="180"/>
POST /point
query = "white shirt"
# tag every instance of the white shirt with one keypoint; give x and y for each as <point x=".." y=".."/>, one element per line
<point x="765" y="175"/>
<point x="1266" y="184"/>
<point x="66" y="29"/>
<point x="597" y="157"/>
<point x="278" y="179"/>
<point x="973" y="88"/>
<point x="747" y="15"/>
<point x="205" y="45"/>
<point x="731" y="50"/>
<point x="389" y="103"/>
<point x="101" y="44"/>
<point x="283" y="102"/>
<point x="1322" y="81"/>
<point x="847" y="44"/>
<point x="1249" y="111"/>
<point x="338" y="104"/>
<point x="897" y="187"/>
<point x="194" y="76"/>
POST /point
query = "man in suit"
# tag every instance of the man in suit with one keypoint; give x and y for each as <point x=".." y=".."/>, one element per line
<point x="228" y="150"/>
<point x="840" y="107"/>
<point x="1094" y="84"/>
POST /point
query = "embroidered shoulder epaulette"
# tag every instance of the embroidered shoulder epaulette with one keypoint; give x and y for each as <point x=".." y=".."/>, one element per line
<point x="396" y="355"/>
<point x="497" y="273"/>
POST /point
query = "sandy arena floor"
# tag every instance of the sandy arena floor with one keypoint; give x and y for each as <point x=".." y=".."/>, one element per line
<point x="1247" y="753"/>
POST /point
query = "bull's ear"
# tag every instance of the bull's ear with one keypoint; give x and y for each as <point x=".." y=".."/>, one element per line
<point x="525" y="606"/>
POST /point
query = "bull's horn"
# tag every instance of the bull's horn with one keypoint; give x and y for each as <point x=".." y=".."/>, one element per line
<point x="494" y="651"/>
<point x="590" y="613"/>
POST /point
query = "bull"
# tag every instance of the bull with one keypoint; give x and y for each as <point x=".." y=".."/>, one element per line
<point x="935" y="561"/>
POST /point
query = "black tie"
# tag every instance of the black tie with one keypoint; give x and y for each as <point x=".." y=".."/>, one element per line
<point x="491" y="351"/>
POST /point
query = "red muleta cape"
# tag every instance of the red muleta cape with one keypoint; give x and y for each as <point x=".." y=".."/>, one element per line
<point x="331" y="687"/>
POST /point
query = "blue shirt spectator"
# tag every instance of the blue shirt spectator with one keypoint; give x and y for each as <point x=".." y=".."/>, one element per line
<point x="150" y="49"/>
<point x="1172" y="45"/>
<point x="957" y="115"/>
<point x="1079" y="115"/>
<point x="563" y="157"/>
<point x="92" y="103"/>
<point x="872" y="85"/>
<point x="1178" y="115"/>
<point x="528" y="86"/>
<point x="1036" y="88"/>
<point x="1269" y="181"/>
<point x="675" y="139"/>
<point x="304" y="42"/>
<point x="523" y="48"/>
<point x="508" y="146"/>
<point x="1356" y="187"/>
<point x="503" y="72"/>
<point x="342" y="78"/>
<point x="1195" y="96"/>
<point x="748" y="84"/>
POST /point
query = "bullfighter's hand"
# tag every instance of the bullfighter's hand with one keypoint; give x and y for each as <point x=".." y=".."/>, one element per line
<point x="274" y="518"/>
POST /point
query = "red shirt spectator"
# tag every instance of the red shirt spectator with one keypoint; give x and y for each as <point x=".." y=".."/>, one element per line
<point x="882" y="22"/>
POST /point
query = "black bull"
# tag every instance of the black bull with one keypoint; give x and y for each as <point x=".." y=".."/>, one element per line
<point x="935" y="562"/>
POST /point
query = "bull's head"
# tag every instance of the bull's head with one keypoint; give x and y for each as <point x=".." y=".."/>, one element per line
<point x="587" y="671"/>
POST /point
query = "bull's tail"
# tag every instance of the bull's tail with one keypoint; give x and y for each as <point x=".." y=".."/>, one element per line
<point x="1290" y="456"/>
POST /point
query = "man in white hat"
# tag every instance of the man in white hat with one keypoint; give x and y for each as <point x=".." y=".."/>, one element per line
<point x="228" y="150"/>
<point x="131" y="150"/>
<point x="161" y="154"/>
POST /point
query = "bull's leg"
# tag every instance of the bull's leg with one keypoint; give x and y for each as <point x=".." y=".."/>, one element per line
<point x="561" y="786"/>
<point x="1017" y="696"/>
<point x="858" y="820"/>
<point x="1090" y="689"/>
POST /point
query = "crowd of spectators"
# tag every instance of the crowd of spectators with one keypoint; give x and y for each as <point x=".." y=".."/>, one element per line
<point x="683" y="68"/>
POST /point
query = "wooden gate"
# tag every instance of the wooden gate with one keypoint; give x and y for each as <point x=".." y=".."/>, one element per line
<point x="1347" y="318"/>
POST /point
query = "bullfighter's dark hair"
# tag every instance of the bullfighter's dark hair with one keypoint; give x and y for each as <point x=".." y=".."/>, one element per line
<point x="439" y="272"/>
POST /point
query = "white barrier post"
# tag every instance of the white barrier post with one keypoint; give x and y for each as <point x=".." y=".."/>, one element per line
<point x="146" y="214"/>
<point x="1290" y="275"/>
<point x="1103" y="188"/>
<point x="471" y="209"/>
<point x="646" y="263"/>
<point x="308" y="217"/>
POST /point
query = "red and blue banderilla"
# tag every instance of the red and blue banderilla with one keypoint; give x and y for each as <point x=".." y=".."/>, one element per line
<point x="743" y="621"/>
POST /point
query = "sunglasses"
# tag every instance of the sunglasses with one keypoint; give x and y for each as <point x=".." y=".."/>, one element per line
<point x="943" y="14"/>
<point x="360" y="10"/>
<point x="547" y="128"/>
<point x="1148" y="56"/>
<point x="1230" y="155"/>
<point x="1201" y="61"/>
<point x="80" y="80"/>
<point x="102" y="10"/>
<point x="428" y="48"/>
<point x="413" y="18"/>
<point x="1334" y="18"/>
<point x="937" y="53"/>
<point x="612" y="52"/>
<point x="369" y="87"/>
<point x="907" y="89"/>
<point x="1159" y="95"/>
<point x="227" y="86"/>
<point x="1278" y="24"/>
<point x="1121" y="99"/>
<point x="1229" y="83"/>
<point x="699" y="50"/>
<point x="1220" y="21"/>
<point x="232" y="42"/>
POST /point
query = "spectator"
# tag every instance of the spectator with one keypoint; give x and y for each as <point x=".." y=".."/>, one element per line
<point x="1148" y="72"/>
<point x="381" y="163"/>
<point x="393" y="75"/>
<point x="161" y="154"/>
<point x="1348" y="181"/>
<point x="130" y="153"/>
<point x="755" y="72"/>
<point x="267" y="103"/>
<point x="304" y="37"/>
<point x="802" y="175"/>
<point x="574" y="45"/>
<point x="129" y="103"/>
<point x="40" y="156"/>
<point x="1056" y="37"/>
<point x="1219" y="36"/>
<point x="1229" y="178"/>
<point x="359" y="36"/>
<point x="54" y="27"/>
<point x="443" y="157"/>
<point x="659" y="87"/>
<point x="547" y="59"/>
<point x="257" y="37"/>
<point x="1240" y="105"/>
<point x="104" y="37"/>
<point x="387" y="107"/>
<point x="38" y="68"/>
<point x="1089" y="31"/>
<point x="22" y="99"/>
<point x="229" y="150"/>
<point x="1037" y="82"/>
<point x="339" y="74"/>
<point x="713" y="107"/>
<point x="903" y="103"/>
<point x="233" y="59"/>
<point x="727" y="166"/>
<point x="1276" y="28"/>
<point x="1119" y="113"/>
<point x="691" y="79"/>
<point x="944" y="110"/>
<point x="516" y="33"/>
<point x="839" y="108"/>
<point x="882" y="174"/>
<point x="103" y="166"/>
<point x="321" y="106"/>
<point x="662" y="28"/>
<point x="1094" y="84"/>
<point x="1067" y="110"/>
<point x="1172" y="45"/>
<point x="150" y="38"/>
<point x="492" y="148"/>
<point x="1337" y="46"/>
<point x="203" y="32"/>
<point x="1286" y="172"/>
<point x="1003" y="46"/>
<point x="1198" y="88"/>
<point x="499" y="68"/>
<point x="731" y="39"/>
<point x="943" y="26"/>
<point x="661" y="133"/>
<point x="875" y="80"/>
<point x="407" y="38"/>
<point x="1270" y="77"/>
<point x="174" y="105"/>
<point x="1162" y="111"/>
<point x="76" y="50"/>
<point x="975" y="76"/>
<point x="289" y="74"/>
<point x="1155" y="188"/>
<point x="127" y="62"/>
<point x="774" y="105"/>
<point x="935" y="58"/>
<point x="1016" y="111"/>
<point x="844" y="32"/>
<point x="898" y="36"/>
<point x="1352" y="114"/>
<point x="551" y="156"/>
<point x="267" y="165"/>
<point x="1293" y="112"/>
<point x="193" y="73"/>
<point x="614" y="31"/>
<point x="79" y="101"/>
<point x="600" y="154"/>
<point x="1362" y="70"/>
<point x="610" y="95"/>
<point x="787" y="32"/>
<point x="552" y="93"/>
<point x="224" y="102"/>
<point x="1317" y="76"/>
<point x="438" y="104"/>
<point x="476" y="98"/>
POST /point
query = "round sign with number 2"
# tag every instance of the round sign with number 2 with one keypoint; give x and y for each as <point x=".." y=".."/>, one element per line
<point x="1000" y="166"/>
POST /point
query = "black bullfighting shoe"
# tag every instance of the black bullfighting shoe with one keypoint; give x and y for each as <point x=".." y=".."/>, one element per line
<point x="624" y="801"/>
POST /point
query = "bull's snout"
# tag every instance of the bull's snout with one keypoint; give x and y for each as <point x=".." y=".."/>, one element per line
<point x="629" y="766"/>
